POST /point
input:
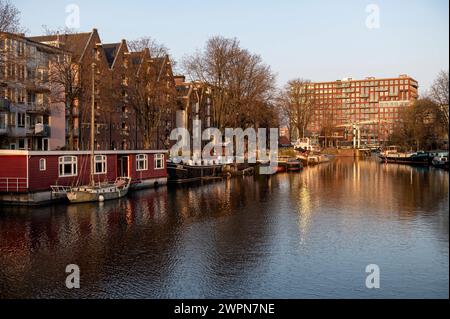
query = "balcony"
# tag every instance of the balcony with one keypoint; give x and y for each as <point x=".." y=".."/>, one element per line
<point x="41" y="86"/>
<point x="4" y="105"/>
<point x="41" y="130"/>
<point x="38" y="108"/>
<point x="16" y="131"/>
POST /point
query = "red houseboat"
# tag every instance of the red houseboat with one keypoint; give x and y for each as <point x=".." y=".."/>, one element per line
<point x="31" y="177"/>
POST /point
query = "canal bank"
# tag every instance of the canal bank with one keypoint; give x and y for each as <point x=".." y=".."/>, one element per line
<point x="302" y="235"/>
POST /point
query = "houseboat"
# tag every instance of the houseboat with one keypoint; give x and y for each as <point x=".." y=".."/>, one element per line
<point x="37" y="177"/>
<point x="392" y="155"/>
<point x="192" y="171"/>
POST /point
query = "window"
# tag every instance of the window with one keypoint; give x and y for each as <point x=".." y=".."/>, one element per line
<point x="3" y="119"/>
<point x="100" y="164"/>
<point x="21" y="119"/>
<point x="67" y="166"/>
<point x="12" y="119"/>
<point x="159" y="161"/>
<point x="45" y="144"/>
<point x="42" y="164"/>
<point x="141" y="162"/>
<point x="21" y="143"/>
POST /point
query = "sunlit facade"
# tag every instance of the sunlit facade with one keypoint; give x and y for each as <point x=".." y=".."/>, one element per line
<point x="373" y="104"/>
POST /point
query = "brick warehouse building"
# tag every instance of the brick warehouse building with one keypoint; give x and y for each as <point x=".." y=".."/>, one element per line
<point x="372" y="105"/>
<point x="117" y="125"/>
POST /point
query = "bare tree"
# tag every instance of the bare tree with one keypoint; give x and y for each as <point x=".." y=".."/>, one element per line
<point x="440" y="95"/>
<point x="296" y="104"/>
<point x="9" y="22"/>
<point x="417" y="128"/>
<point x="9" y="17"/>
<point x="240" y="83"/>
<point x="150" y="94"/>
<point x="65" y="76"/>
<point x="157" y="50"/>
<point x="62" y="30"/>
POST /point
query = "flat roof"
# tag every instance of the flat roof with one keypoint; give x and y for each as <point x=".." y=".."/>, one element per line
<point x="62" y="153"/>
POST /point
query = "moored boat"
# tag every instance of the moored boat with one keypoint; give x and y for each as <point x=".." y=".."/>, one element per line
<point x="100" y="192"/>
<point x="193" y="171"/>
<point x="441" y="161"/>
<point x="294" y="165"/>
<point x="413" y="158"/>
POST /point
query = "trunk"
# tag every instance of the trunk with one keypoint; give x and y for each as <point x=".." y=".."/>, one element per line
<point x="71" y="126"/>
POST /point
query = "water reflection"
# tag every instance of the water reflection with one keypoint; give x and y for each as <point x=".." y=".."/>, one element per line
<point x="289" y="236"/>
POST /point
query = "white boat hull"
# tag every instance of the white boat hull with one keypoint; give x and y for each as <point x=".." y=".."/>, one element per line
<point x="85" y="194"/>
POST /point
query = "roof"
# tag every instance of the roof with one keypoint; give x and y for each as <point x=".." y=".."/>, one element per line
<point x="136" y="57"/>
<point x="33" y="41"/>
<point x="111" y="50"/>
<point x="75" y="43"/>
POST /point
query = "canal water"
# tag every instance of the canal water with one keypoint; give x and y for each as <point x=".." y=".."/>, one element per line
<point x="298" y="235"/>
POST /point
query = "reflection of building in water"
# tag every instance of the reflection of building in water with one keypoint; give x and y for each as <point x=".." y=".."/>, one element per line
<point x="305" y="211"/>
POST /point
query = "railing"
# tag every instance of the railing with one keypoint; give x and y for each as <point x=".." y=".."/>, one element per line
<point x="37" y="108"/>
<point x="17" y="131"/>
<point x="13" y="184"/>
<point x="59" y="189"/>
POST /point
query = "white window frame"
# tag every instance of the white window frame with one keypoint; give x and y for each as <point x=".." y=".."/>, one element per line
<point x="73" y="162"/>
<point x="103" y="161"/>
<point x="159" y="158"/>
<point x="42" y="164"/>
<point x="144" y="159"/>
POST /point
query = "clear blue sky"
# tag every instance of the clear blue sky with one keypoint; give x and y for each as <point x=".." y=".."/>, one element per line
<point x="318" y="40"/>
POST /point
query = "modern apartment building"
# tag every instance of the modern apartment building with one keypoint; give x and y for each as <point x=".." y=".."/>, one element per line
<point x="372" y="106"/>
<point x="31" y="115"/>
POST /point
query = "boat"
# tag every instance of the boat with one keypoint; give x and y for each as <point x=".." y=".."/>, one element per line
<point x="305" y="145"/>
<point x="282" y="163"/>
<point x="392" y="155"/>
<point x="294" y="165"/>
<point x="436" y="153"/>
<point x="440" y="161"/>
<point x="100" y="191"/>
<point x="191" y="171"/>
<point x="281" y="168"/>
<point x="286" y="163"/>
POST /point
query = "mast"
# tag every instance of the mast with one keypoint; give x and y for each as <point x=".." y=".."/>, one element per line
<point x="92" y="125"/>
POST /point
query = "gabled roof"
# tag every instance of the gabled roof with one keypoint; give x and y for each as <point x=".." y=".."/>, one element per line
<point x="136" y="57"/>
<point x="160" y="64"/>
<point x="111" y="50"/>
